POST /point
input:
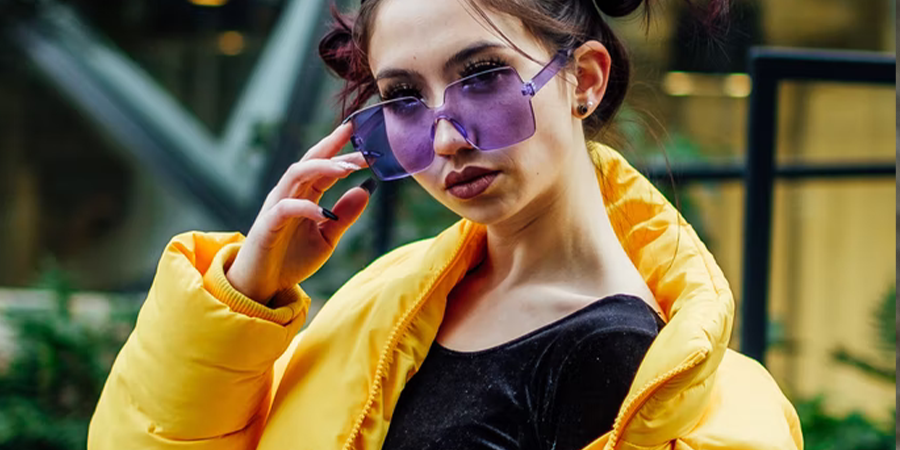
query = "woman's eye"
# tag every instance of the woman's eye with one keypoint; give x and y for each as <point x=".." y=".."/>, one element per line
<point x="403" y="107"/>
<point x="487" y="81"/>
<point x="484" y="76"/>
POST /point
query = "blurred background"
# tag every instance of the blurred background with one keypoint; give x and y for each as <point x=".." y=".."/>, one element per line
<point x="125" y="123"/>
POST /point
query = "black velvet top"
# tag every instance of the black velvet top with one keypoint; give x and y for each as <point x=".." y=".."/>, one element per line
<point x="558" y="387"/>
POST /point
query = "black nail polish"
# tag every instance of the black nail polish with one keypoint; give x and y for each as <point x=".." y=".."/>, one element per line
<point x="370" y="185"/>
<point x="329" y="214"/>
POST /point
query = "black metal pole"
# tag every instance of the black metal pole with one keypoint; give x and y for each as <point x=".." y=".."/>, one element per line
<point x="385" y="213"/>
<point x="719" y="173"/>
<point x="759" y="178"/>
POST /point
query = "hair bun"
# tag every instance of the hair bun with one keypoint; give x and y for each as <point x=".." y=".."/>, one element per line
<point x="336" y="47"/>
<point x="617" y="8"/>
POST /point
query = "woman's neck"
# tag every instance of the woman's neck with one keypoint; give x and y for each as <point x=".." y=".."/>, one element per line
<point x="563" y="237"/>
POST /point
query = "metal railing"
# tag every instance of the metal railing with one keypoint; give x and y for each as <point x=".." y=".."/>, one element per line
<point x="768" y="68"/>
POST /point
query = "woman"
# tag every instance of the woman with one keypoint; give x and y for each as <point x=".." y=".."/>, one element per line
<point x="534" y="322"/>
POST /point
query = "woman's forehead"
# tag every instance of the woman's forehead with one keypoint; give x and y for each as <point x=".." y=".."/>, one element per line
<point x="421" y="35"/>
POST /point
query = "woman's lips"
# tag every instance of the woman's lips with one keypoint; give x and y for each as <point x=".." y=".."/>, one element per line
<point x="473" y="187"/>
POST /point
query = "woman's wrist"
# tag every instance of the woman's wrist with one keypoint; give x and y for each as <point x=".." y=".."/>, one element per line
<point x="239" y="282"/>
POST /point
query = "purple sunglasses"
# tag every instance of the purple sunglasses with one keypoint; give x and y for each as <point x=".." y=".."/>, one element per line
<point x="490" y="109"/>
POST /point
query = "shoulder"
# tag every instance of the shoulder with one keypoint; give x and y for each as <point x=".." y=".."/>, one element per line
<point x="356" y="303"/>
<point x="604" y="344"/>
<point x="618" y="329"/>
<point x="608" y="338"/>
<point x="400" y="254"/>
<point x="620" y="316"/>
<point x="360" y="292"/>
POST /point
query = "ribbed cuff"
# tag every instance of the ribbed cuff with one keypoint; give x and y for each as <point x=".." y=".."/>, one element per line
<point x="287" y="304"/>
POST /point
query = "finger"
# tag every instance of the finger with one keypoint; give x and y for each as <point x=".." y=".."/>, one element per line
<point x="348" y="209"/>
<point x="331" y="144"/>
<point x="315" y="188"/>
<point x="318" y="188"/>
<point x="292" y="208"/>
<point x="300" y="175"/>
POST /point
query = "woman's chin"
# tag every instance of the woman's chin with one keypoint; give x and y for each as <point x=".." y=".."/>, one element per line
<point x="486" y="212"/>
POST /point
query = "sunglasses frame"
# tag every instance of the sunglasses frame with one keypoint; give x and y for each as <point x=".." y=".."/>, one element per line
<point x="529" y="89"/>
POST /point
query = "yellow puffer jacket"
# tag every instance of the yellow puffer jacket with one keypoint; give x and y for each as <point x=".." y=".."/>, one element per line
<point x="207" y="368"/>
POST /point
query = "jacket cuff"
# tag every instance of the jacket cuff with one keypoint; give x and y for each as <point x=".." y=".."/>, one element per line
<point x="287" y="305"/>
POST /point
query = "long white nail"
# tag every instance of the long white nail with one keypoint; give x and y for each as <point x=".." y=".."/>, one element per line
<point x="347" y="165"/>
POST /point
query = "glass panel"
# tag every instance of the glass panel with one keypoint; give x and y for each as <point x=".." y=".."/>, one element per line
<point x="833" y="264"/>
<point x="834" y="122"/>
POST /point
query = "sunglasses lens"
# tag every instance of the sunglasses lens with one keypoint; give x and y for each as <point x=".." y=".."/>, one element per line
<point x="394" y="138"/>
<point x="492" y="108"/>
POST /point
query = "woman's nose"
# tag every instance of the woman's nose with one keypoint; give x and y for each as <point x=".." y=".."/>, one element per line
<point x="448" y="139"/>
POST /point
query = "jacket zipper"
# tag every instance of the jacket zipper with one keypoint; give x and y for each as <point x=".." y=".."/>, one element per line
<point x="647" y="391"/>
<point x="393" y="340"/>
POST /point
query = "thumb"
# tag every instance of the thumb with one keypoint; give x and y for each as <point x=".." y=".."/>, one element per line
<point x="348" y="209"/>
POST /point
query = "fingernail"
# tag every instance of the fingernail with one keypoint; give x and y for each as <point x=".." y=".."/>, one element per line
<point x="348" y="165"/>
<point x="370" y="185"/>
<point x="329" y="214"/>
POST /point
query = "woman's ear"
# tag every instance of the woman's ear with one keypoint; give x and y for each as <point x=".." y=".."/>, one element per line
<point x="592" y="63"/>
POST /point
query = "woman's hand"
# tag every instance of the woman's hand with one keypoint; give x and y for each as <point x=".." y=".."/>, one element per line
<point x="293" y="236"/>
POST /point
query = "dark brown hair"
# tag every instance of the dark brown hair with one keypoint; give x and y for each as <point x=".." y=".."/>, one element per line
<point x="556" y="24"/>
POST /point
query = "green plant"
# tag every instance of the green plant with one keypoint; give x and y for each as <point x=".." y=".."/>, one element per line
<point x="885" y="337"/>
<point x="823" y="431"/>
<point x="49" y="388"/>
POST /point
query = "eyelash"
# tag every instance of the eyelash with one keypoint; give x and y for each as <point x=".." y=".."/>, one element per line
<point x="480" y="65"/>
<point x="399" y="90"/>
<point x="472" y="67"/>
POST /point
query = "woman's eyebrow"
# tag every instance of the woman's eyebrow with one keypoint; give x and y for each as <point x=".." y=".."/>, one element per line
<point x="397" y="73"/>
<point x="457" y="59"/>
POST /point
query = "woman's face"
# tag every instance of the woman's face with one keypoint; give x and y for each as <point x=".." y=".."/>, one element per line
<point x="415" y="42"/>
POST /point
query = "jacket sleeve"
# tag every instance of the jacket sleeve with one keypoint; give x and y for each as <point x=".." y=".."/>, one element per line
<point x="747" y="411"/>
<point x="197" y="371"/>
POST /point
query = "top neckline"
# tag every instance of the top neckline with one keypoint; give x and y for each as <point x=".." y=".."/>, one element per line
<point x="545" y="328"/>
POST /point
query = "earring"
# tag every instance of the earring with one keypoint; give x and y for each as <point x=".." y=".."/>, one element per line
<point x="583" y="109"/>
